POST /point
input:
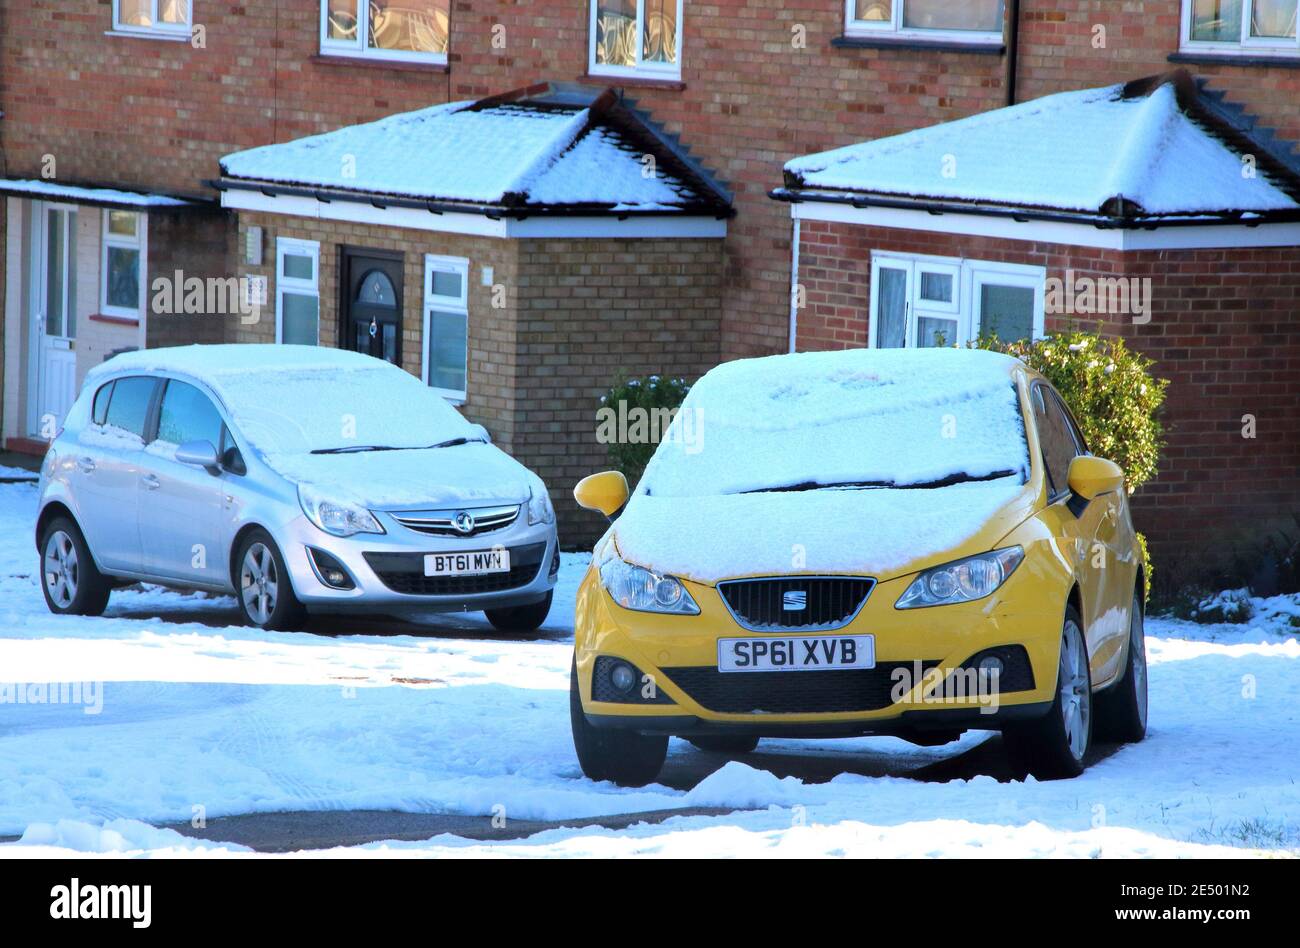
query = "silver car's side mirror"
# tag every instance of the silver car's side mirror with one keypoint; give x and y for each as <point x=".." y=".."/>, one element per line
<point x="199" y="454"/>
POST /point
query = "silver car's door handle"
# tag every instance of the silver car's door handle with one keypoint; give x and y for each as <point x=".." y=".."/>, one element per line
<point x="151" y="482"/>
<point x="86" y="464"/>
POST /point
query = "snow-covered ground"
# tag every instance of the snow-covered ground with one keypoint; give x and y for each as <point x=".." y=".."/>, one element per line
<point x="178" y="717"/>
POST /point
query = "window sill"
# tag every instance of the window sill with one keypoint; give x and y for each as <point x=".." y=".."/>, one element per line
<point x="633" y="82"/>
<point x="852" y="41"/>
<point x="391" y="65"/>
<point x="167" y="37"/>
<point x="114" y="320"/>
<point x="1198" y="58"/>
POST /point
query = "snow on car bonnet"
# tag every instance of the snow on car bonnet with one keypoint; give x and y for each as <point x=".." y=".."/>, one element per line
<point x="864" y="460"/>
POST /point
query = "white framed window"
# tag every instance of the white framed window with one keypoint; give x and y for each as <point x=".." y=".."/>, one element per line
<point x="635" y="38"/>
<point x="397" y="30"/>
<point x="921" y="301"/>
<point x="445" y="363"/>
<point x="968" y="21"/>
<point x="297" y="291"/>
<point x="121" y="264"/>
<point x="163" y="17"/>
<point x="1241" y="27"/>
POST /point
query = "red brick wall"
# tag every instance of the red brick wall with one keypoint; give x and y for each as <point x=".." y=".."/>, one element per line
<point x="1223" y="330"/>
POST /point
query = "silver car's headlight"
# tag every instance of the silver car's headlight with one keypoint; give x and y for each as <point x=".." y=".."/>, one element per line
<point x="635" y="587"/>
<point x="961" y="581"/>
<point x="539" y="507"/>
<point x="334" y="517"/>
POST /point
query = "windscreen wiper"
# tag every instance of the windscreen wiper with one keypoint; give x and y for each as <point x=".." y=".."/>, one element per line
<point x="881" y="485"/>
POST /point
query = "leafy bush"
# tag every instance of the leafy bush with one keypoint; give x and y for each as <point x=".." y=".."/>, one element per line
<point x="1110" y="390"/>
<point x="634" y="415"/>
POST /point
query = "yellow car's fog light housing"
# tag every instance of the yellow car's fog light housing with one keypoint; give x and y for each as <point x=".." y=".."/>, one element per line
<point x="962" y="580"/>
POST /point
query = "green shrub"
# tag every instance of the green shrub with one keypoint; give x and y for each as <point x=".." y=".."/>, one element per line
<point x="634" y="415"/>
<point x="1110" y="390"/>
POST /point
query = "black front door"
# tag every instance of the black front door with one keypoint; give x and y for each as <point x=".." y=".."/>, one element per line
<point x="372" y="303"/>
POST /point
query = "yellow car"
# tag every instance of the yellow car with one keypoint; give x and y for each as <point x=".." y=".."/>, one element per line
<point x="902" y="542"/>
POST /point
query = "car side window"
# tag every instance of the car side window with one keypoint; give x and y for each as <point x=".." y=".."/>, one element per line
<point x="99" y="411"/>
<point x="128" y="404"/>
<point x="1055" y="437"/>
<point x="188" y="415"/>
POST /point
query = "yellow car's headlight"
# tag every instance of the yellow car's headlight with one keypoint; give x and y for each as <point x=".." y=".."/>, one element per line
<point x="635" y="587"/>
<point x="962" y="580"/>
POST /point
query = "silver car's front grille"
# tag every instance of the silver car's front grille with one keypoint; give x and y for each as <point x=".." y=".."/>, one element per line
<point x="457" y="522"/>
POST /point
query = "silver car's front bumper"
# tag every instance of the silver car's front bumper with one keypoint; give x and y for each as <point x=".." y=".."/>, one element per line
<point x="387" y="570"/>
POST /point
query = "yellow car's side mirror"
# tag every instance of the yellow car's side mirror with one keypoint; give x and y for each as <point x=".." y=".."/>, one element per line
<point x="1091" y="476"/>
<point x="606" y="492"/>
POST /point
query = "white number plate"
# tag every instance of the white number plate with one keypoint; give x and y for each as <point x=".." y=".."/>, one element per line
<point x="467" y="564"/>
<point x="799" y="653"/>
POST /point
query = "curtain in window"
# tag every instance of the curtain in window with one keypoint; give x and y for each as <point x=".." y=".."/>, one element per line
<point x="341" y="20"/>
<point x="1007" y="312"/>
<point x="891" y="309"/>
<point x="135" y="12"/>
<point x="1273" y="19"/>
<point x="616" y="32"/>
<point x="984" y="16"/>
<point x="874" y="11"/>
<point x="659" y="32"/>
<point x="415" y="26"/>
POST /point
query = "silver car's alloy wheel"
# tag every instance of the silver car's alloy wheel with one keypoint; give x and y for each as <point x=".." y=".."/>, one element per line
<point x="61" y="573"/>
<point x="1075" y="697"/>
<point x="258" y="583"/>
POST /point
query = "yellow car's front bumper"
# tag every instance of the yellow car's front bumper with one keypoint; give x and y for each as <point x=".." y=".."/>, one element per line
<point x="914" y="650"/>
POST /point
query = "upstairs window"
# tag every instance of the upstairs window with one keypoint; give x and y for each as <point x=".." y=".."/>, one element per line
<point x="166" y="17"/>
<point x="951" y="20"/>
<point x="398" y="30"/>
<point x="1260" y="27"/>
<point x="636" y="38"/>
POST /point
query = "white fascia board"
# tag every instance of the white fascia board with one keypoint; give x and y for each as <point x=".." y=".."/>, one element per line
<point x="1183" y="237"/>
<point x="473" y="224"/>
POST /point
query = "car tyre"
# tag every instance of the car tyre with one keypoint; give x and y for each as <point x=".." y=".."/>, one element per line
<point x="1122" y="708"/>
<point x="72" y="583"/>
<point x="623" y="756"/>
<point x="263" y="587"/>
<point x="520" y="618"/>
<point x="724" y="744"/>
<point x="1056" y="745"/>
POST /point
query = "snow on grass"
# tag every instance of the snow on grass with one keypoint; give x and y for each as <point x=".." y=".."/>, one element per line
<point x="231" y="720"/>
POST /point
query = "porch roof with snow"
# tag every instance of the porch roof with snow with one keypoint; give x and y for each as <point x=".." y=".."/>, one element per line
<point x="47" y="190"/>
<point x="545" y="150"/>
<point x="1150" y="153"/>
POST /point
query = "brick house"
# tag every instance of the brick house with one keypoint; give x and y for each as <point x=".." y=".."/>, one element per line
<point x="143" y="98"/>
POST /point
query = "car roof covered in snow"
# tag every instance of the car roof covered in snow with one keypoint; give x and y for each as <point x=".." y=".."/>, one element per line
<point x="291" y="400"/>
<point x="1158" y="147"/>
<point x="539" y="147"/>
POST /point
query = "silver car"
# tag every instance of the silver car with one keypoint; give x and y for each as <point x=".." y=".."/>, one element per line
<point x="296" y="478"/>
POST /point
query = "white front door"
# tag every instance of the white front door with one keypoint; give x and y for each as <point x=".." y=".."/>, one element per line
<point x="54" y="317"/>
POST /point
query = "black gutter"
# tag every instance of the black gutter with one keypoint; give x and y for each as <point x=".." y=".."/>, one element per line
<point x="1100" y="221"/>
<point x="1013" y="48"/>
<point x="490" y="211"/>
